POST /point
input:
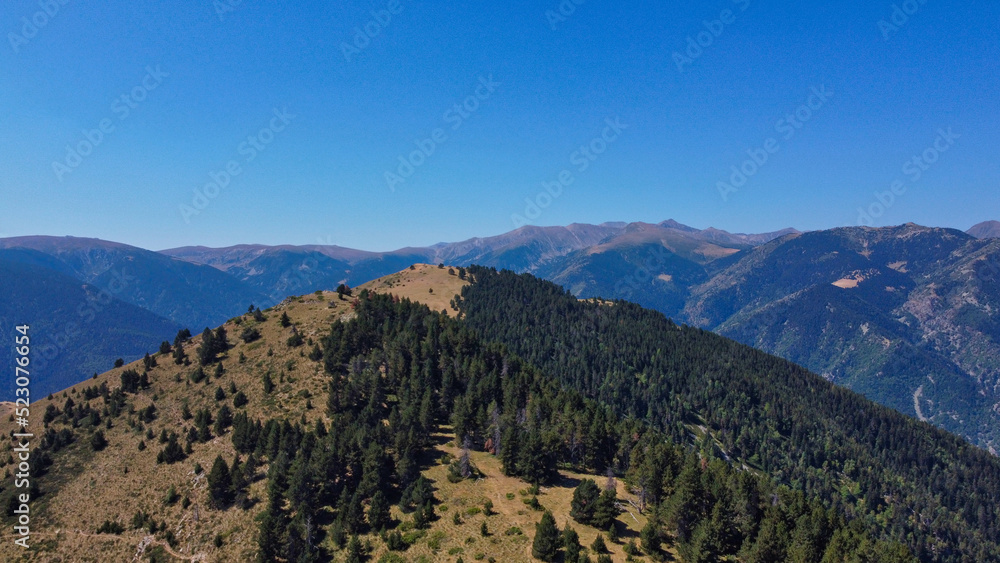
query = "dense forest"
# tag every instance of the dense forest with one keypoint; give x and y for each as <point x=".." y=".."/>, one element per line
<point x="890" y="475"/>
<point x="398" y="370"/>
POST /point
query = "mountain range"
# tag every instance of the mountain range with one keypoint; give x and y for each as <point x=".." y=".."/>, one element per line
<point x="907" y="315"/>
<point x="468" y="414"/>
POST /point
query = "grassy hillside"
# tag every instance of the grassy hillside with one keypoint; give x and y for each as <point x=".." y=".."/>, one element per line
<point x="83" y="489"/>
<point x="434" y="286"/>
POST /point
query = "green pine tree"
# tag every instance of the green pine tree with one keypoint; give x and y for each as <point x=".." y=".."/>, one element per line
<point x="605" y="509"/>
<point x="378" y="512"/>
<point x="584" y="501"/>
<point x="220" y="483"/>
<point x="650" y="538"/>
<point x="571" y="542"/>
<point x="98" y="442"/>
<point x="599" y="546"/>
<point x="547" y="541"/>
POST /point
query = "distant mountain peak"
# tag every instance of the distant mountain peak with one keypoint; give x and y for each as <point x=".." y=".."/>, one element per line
<point x="986" y="229"/>
<point x="671" y="224"/>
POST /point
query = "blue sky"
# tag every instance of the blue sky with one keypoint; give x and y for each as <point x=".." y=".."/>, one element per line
<point x="208" y="85"/>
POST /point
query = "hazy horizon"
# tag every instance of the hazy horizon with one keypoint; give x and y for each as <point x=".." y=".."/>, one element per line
<point x="429" y="244"/>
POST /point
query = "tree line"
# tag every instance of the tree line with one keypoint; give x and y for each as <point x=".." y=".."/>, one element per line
<point x="896" y="478"/>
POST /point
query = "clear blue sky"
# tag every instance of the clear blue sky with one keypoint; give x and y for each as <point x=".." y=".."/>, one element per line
<point x="322" y="175"/>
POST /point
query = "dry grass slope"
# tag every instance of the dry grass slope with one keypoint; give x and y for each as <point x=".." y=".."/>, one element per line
<point x="88" y="488"/>
<point x="83" y="488"/>
<point x="431" y="285"/>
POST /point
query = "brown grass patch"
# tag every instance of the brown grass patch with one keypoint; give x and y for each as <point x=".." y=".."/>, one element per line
<point x="425" y="283"/>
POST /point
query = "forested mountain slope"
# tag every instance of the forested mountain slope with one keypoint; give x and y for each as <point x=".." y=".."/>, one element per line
<point x="81" y="328"/>
<point x="316" y="431"/>
<point x="902" y="478"/>
<point x="907" y="315"/>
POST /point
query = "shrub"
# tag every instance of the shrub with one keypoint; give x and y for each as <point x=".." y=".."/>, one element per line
<point x="172" y="452"/>
<point x="109" y="527"/>
<point x="316" y="354"/>
<point x="413" y="536"/>
<point x="98" y="441"/>
<point x="533" y="503"/>
<point x="395" y="542"/>
<point x="172" y="496"/>
<point x="239" y="399"/>
<point x="198" y="375"/>
<point x="249" y="334"/>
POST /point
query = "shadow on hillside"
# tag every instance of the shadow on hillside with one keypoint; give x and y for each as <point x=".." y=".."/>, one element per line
<point x="566" y="482"/>
<point x="624" y="532"/>
<point x="432" y="455"/>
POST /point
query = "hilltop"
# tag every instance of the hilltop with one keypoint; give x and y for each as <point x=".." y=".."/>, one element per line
<point x="434" y="286"/>
<point x="165" y="510"/>
<point x="986" y="229"/>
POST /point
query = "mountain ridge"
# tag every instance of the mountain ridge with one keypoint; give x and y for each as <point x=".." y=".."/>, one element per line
<point x="909" y="295"/>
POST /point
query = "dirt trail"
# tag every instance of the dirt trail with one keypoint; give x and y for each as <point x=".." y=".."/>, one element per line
<point x="145" y="543"/>
<point x="150" y="541"/>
